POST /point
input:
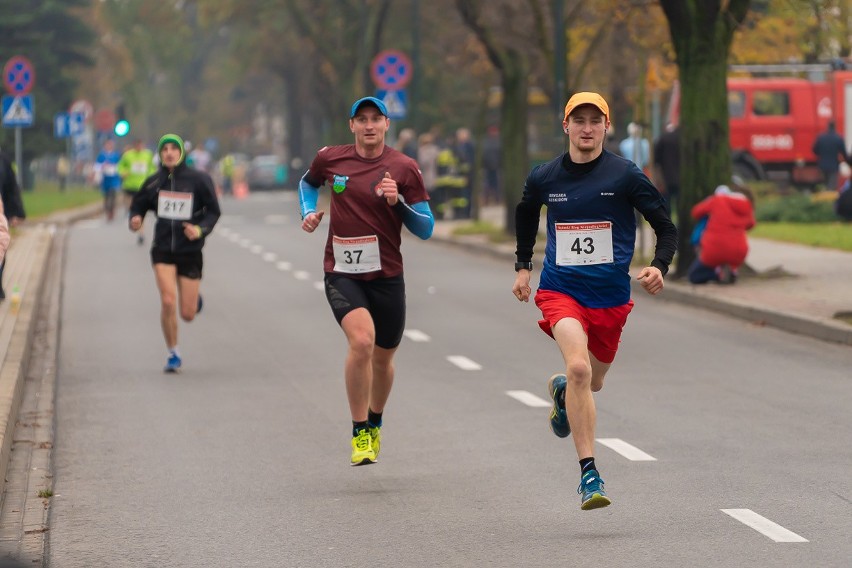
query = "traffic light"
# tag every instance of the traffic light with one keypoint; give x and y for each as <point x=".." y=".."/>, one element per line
<point x="122" y="125"/>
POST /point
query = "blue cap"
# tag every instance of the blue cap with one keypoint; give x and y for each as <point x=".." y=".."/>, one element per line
<point x="368" y="101"/>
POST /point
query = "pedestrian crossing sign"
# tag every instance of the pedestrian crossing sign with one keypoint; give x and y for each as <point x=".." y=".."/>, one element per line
<point x="17" y="110"/>
<point x="394" y="101"/>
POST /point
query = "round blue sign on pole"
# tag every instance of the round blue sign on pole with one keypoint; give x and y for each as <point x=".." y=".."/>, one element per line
<point x="391" y="70"/>
<point x="18" y="75"/>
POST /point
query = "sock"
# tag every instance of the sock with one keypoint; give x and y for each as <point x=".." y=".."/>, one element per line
<point x="359" y="426"/>
<point x="374" y="419"/>
<point x="174" y="351"/>
<point x="587" y="465"/>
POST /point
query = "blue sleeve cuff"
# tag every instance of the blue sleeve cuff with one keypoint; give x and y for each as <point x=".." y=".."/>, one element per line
<point x="308" y="196"/>
<point x="417" y="218"/>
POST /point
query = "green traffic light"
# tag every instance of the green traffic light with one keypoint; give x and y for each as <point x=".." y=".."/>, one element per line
<point x="122" y="128"/>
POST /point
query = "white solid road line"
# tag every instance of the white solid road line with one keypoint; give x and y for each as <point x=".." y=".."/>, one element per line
<point x="529" y="399"/>
<point x="464" y="363"/>
<point x="763" y="525"/>
<point x="416" y="335"/>
<point x="630" y="452"/>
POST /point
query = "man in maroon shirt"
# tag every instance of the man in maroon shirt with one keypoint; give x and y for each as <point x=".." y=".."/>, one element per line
<point x="375" y="190"/>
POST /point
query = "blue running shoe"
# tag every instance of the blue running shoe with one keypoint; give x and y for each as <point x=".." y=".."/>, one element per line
<point x="200" y="304"/>
<point x="592" y="494"/>
<point x="173" y="364"/>
<point x="558" y="416"/>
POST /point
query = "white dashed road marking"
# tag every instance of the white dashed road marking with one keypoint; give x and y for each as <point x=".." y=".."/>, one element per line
<point x="416" y="335"/>
<point x="256" y="249"/>
<point x="529" y="399"/>
<point x="464" y="363"/>
<point x="301" y="275"/>
<point x="319" y="285"/>
<point x="284" y="266"/>
<point x="630" y="452"/>
<point x="270" y="257"/>
<point x="763" y="525"/>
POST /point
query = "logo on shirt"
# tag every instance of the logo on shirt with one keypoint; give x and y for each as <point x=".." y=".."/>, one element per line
<point x="557" y="198"/>
<point x="339" y="183"/>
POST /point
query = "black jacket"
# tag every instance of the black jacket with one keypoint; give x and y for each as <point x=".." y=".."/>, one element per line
<point x="184" y="183"/>
<point x="10" y="191"/>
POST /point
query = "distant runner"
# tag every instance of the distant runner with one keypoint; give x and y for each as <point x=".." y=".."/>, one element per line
<point x="187" y="209"/>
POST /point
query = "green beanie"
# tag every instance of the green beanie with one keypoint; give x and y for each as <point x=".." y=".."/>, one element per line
<point x="174" y="139"/>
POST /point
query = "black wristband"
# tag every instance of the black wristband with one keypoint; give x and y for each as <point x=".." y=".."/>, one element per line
<point x="523" y="266"/>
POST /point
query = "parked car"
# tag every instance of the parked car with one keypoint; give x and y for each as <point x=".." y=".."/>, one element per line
<point x="267" y="172"/>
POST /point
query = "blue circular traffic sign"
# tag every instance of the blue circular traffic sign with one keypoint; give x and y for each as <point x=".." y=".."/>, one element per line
<point x="391" y="70"/>
<point x="18" y="75"/>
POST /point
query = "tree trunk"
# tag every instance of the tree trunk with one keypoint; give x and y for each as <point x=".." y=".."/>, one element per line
<point x="701" y="31"/>
<point x="513" y="132"/>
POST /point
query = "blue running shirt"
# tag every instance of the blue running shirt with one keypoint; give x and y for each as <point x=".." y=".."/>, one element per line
<point x="590" y="204"/>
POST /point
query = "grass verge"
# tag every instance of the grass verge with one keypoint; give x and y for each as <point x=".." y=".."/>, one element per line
<point x="46" y="199"/>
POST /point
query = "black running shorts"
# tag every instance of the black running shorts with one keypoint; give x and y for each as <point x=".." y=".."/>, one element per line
<point x="189" y="264"/>
<point x="384" y="298"/>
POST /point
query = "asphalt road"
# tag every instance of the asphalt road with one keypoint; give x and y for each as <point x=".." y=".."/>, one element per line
<point x="242" y="459"/>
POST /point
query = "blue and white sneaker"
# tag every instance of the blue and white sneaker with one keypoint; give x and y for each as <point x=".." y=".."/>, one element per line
<point x="592" y="494"/>
<point x="173" y="364"/>
<point x="558" y="416"/>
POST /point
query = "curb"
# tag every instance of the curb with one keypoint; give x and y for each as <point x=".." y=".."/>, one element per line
<point x="818" y="328"/>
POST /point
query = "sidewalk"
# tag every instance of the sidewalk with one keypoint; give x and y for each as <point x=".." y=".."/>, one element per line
<point x="27" y="263"/>
<point x="792" y="287"/>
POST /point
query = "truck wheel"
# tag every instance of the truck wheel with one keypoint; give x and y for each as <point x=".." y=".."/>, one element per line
<point x="745" y="171"/>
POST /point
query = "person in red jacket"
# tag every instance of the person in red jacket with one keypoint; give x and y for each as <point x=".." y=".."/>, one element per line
<point x="723" y="246"/>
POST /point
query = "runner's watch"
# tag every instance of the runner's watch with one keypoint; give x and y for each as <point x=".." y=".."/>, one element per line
<point x="523" y="265"/>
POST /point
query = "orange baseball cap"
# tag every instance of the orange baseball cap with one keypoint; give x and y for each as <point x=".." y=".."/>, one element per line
<point x="587" y="98"/>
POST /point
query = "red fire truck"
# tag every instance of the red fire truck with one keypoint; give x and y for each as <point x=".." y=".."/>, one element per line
<point x="777" y="113"/>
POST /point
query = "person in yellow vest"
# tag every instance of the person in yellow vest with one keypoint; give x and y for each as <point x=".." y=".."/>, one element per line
<point x="135" y="165"/>
<point x="449" y="182"/>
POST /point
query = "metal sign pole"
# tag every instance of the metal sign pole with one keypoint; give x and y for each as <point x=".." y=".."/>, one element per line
<point x="18" y="155"/>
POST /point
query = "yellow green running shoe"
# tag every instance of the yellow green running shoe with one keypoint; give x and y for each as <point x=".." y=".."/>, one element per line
<point x="362" y="448"/>
<point x="592" y="494"/>
<point x="376" y="439"/>
<point x="558" y="416"/>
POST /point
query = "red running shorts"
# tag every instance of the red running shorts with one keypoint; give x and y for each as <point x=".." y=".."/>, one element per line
<point x="602" y="325"/>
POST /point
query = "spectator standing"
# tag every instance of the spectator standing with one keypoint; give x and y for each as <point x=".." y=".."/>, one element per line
<point x="407" y="143"/>
<point x="13" y="209"/>
<point x="63" y="169"/>
<point x="449" y="183"/>
<point x="723" y="244"/>
<point x="830" y="148"/>
<point x="427" y="159"/>
<point x="635" y="147"/>
<point x="667" y="164"/>
<point x="465" y="154"/>
<point x="491" y="165"/>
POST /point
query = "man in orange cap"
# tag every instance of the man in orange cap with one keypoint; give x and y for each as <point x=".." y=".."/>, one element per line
<point x="584" y="288"/>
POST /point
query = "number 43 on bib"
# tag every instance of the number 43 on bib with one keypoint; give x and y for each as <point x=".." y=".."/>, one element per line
<point x="584" y="243"/>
